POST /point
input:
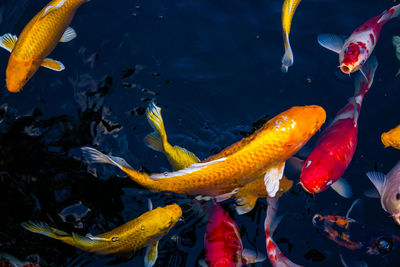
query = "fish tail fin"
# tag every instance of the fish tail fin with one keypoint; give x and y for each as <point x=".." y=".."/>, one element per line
<point x="361" y="84"/>
<point x="92" y="155"/>
<point x="389" y="14"/>
<point x="287" y="59"/>
<point x="156" y="139"/>
<point x="44" y="229"/>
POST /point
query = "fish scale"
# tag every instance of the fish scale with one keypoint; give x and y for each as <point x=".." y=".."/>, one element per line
<point x="41" y="34"/>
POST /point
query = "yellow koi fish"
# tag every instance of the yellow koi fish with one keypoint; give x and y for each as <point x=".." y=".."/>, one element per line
<point x="37" y="40"/>
<point x="288" y="9"/>
<point x="180" y="158"/>
<point x="262" y="153"/>
<point x="146" y="230"/>
<point x="392" y="138"/>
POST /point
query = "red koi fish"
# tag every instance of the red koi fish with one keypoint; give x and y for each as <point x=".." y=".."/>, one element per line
<point x="222" y="242"/>
<point x="355" y="50"/>
<point x="275" y="256"/>
<point x="337" y="144"/>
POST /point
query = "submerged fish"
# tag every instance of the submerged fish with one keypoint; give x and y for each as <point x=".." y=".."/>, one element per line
<point x="392" y="138"/>
<point x="355" y="236"/>
<point x="264" y="152"/>
<point x="222" y="242"/>
<point x="336" y="146"/>
<point x="355" y="50"/>
<point x="288" y="9"/>
<point x="271" y="222"/>
<point x="396" y="44"/>
<point x="388" y="187"/>
<point x="37" y="40"/>
<point x="146" y="230"/>
<point x="180" y="158"/>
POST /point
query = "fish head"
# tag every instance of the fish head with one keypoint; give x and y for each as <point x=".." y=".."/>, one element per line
<point x="18" y="73"/>
<point x="352" y="57"/>
<point x="299" y="124"/>
<point x="171" y="215"/>
<point x="316" y="174"/>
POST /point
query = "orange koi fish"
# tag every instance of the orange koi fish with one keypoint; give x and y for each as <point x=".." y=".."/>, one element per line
<point x="180" y="158"/>
<point x="37" y="40"/>
<point x="392" y="138"/>
<point x="263" y="152"/>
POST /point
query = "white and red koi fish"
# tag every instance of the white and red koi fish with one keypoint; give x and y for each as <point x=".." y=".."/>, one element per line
<point x="223" y="244"/>
<point x="355" y="50"/>
<point x="337" y="144"/>
<point x="275" y="256"/>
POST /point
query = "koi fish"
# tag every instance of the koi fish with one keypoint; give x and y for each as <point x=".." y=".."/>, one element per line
<point x="222" y="242"/>
<point x="288" y="9"/>
<point x="7" y="260"/>
<point x="355" y="236"/>
<point x="37" y="40"/>
<point x="180" y="158"/>
<point x="388" y="187"/>
<point x="392" y="138"/>
<point x="275" y="256"/>
<point x="355" y="50"/>
<point x="263" y="152"/>
<point x="336" y="146"/>
<point x="146" y="230"/>
<point x="396" y="44"/>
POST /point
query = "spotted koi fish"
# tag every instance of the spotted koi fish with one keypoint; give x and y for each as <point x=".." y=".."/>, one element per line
<point x="355" y="50"/>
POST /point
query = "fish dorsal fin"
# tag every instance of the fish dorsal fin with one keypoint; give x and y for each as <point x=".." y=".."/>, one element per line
<point x="192" y="168"/>
<point x="52" y="64"/>
<point x="8" y="41"/>
<point x="272" y="177"/>
<point x="378" y="179"/>
<point x="56" y="5"/>
<point x="68" y="35"/>
<point x="356" y="211"/>
<point x="342" y="187"/>
<point x="251" y="256"/>
<point x="151" y="255"/>
<point x="332" y="42"/>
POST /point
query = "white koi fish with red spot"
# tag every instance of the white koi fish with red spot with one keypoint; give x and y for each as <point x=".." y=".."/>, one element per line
<point x="355" y="50"/>
<point x="275" y="256"/>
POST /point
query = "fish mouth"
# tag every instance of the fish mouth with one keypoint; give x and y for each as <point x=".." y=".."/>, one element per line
<point x="345" y="69"/>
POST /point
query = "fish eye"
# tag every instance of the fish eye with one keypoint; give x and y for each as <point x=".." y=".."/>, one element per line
<point x="384" y="245"/>
<point x="346" y="50"/>
<point x="398" y="196"/>
<point x="362" y="61"/>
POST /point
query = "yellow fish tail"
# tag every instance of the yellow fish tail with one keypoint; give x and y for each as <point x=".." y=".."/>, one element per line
<point x="287" y="59"/>
<point x="44" y="229"/>
<point x="245" y="202"/>
<point x="156" y="139"/>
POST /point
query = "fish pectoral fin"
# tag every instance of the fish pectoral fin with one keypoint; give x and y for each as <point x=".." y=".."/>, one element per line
<point x="151" y="255"/>
<point x="330" y="41"/>
<point x="372" y="193"/>
<point x="378" y="179"/>
<point x="245" y="202"/>
<point x="251" y="256"/>
<point x="226" y="196"/>
<point x="342" y="187"/>
<point x="272" y="177"/>
<point x="56" y="5"/>
<point x="68" y="35"/>
<point x="97" y="238"/>
<point x="7" y="41"/>
<point x="53" y="64"/>
<point x="87" y="240"/>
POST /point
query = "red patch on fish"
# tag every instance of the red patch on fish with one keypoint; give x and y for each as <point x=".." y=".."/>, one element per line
<point x="353" y="52"/>
<point x="371" y="36"/>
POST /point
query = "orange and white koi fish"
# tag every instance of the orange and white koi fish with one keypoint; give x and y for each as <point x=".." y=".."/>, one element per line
<point x="37" y="40"/>
<point x="180" y="158"/>
<point x="275" y="256"/>
<point x="355" y="50"/>
<point x="392" y="138"/>
<point x="288" y="9"/>
<point x="262" y="153"/>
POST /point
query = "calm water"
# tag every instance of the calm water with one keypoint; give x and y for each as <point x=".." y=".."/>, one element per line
<point x="214" y="68"/>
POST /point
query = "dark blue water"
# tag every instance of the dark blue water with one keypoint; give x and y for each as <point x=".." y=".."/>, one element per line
<point x="214" y="68"/>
